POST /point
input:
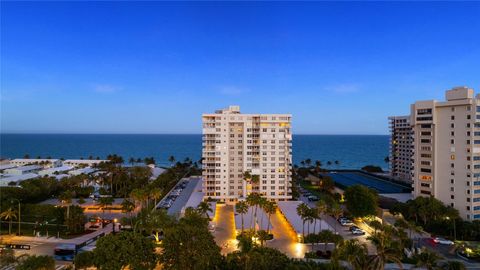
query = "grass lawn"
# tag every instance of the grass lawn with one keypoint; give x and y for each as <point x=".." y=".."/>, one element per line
<point x="313" y="189"/>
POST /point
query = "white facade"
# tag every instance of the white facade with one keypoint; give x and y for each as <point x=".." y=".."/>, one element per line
<point x="23" y="170"/>
<point x="46" y="163"/>
<point x="234" y="143"/>
<point x="56" y="170"/>
<point x="82" y="162"/>
<point x="401" y="148"/>
<point x="447" y="150"/>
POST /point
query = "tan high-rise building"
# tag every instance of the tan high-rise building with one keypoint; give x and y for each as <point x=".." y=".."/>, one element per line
<point x="401" y="148"/>
<point x="234" y="143"/>
<point x="447" y="150"/>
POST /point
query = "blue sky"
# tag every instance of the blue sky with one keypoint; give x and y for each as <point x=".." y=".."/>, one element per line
<point x="154" y="67"/>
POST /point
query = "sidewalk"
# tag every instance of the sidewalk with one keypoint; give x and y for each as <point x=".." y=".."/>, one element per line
<point x="53" y="239"/>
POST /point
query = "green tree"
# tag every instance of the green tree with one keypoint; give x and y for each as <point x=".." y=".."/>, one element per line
<point x="189" y="245"/>
<point x="269" y="208"/>
<point x="203" y="208"/>
<point x="76" y="220"/>
<point x="453" y="265"/>
<point x="10" y="214"/>
<point x="302" y="211"/>
<point x="7" y="257"/>
<point x="104" y="202"/>
<point x="258" y="258"/>
<point x="242" y="208"/>
<point x="336" y="211"/>
<point x="354" y="253"/>
<point x="35" y="262"/>
<point x="361" y="201"/>
<point x="155" y="194"/>
<point x="117" y="251"/>
<point x="84" y="260"/>
<point x="171" y="159"/>
<point x="427" y="259"/>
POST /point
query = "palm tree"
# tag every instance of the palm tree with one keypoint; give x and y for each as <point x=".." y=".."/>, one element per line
<point x="128" y="206"/>
<point x="242" y="208"/>
<point x="302" y="210"/>
<point x="308" y="162"/>
<point x="337" y="162"/>
<point x="387" y="248"/>
<point x="336" y="211"/>
<point x="66" y="198"/>
<point x="269" y="208"/>
<point x="253" y="200"/>
<point x="171" y="159"/>
<point x="262" y="236"/>
<point x="427" y="259"/>
<point x="155" y="194"/>
<point x="203" y="208"/>
<point x="321" y="209"/>
<point x="131" y="161"/>
<point x="329" y="163"/>
<point x="9" y="214"/>
<point x="104" y="202"/>
<point x="354" y="253"/>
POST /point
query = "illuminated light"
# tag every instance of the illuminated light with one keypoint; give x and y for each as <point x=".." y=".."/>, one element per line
<point x="425" y="177"/>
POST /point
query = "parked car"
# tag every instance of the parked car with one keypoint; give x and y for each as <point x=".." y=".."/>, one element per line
<point x="345" y="222"/>
<point x="442" y="241"/>
<point x="312" y="198"/>
<point x="357" y="231"/>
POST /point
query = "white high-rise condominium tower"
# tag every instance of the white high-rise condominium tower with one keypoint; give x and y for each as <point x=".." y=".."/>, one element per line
<point x="401" y="148"/>
<point x="447" y="150"/>
<point x="235" y="143"/>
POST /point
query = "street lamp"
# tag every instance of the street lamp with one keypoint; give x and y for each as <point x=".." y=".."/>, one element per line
<point x="113" y="229"/>
<point x="19" y="214"/>
<point x="454" y="228"/>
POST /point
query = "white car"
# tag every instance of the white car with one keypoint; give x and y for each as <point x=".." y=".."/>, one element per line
<point x="442" y="241"/>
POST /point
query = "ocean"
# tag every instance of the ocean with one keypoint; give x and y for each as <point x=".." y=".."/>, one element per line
<point x="352" y="151"/>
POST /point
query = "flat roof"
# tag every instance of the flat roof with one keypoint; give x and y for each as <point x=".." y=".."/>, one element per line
<point x="26" y="168"/>
<point x="55" y="169"/>
<point x="87" y="170"/>
<point x="289" y="211"/>
<point x="184" y="196"/>
<point x="6" y="178"/>
<point x="85" y="160"/>
<point x="7" y="166"/>
<point x="33" y="159"/>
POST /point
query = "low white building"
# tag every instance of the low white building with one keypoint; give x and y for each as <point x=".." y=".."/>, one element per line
<point x="83" y="162"/>
<point x="23" y="170"/>
<point x="6" y="179"/>
<point x="46" y="163"/>
<point x="86" y="170"/>
<point x="54" y="171"/>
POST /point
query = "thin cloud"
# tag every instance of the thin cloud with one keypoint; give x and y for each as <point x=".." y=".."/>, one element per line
<point x="232" y="90"/>
<point x="105" y="88"/>
<point x="347" y="88"/>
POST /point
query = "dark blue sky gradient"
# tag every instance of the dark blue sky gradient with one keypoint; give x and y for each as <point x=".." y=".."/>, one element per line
<point x="154" y="67"/>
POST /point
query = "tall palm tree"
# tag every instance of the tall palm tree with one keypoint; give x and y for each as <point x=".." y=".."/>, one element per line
<point x="308" y="162"/>
<point x="302" y="210"/>
<point x="242" y="208"/>
<point x="387" y="249"/>
<point x="204" y="208"/>
<point x="336" y="211"/>
<point x="171" y="159"/>
<point x="321" y="209"/>
<point x="253" y="200"/>
<point x="355" y="253"/>
<point x="66" y="199"/>
<point x="131" y="160"/>
<point x="9" y="215"/>
<point x="155" y="194"/>
<point x="269" y="208"/>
